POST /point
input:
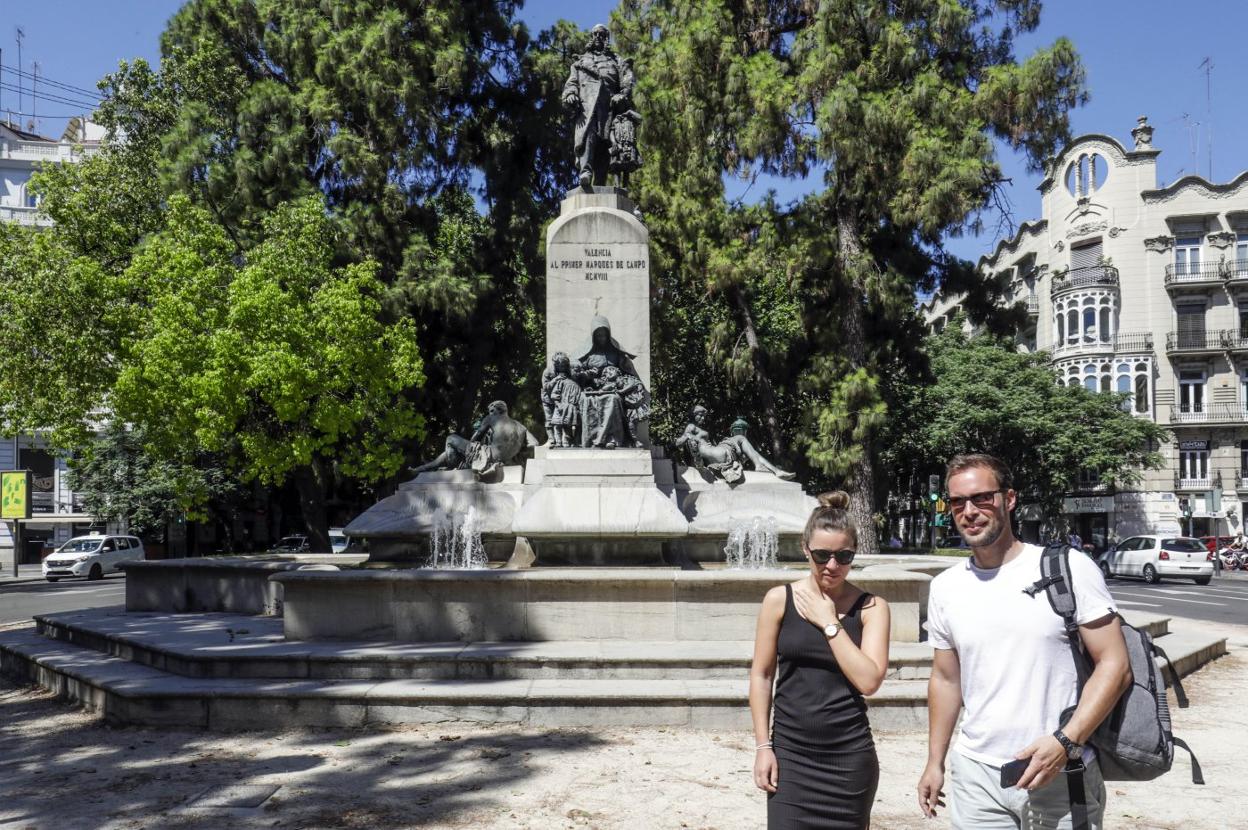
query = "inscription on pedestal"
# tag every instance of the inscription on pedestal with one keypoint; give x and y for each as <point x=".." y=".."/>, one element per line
<point x="598" y="263"/>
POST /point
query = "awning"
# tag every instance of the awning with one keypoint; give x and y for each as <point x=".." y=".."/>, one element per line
<point x="60" y="519"/>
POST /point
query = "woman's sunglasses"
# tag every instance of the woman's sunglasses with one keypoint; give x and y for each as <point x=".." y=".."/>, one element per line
<point x="842" y="557"/>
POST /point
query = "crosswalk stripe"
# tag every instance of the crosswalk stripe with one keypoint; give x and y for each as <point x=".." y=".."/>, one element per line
<point x="1172" y="599"/>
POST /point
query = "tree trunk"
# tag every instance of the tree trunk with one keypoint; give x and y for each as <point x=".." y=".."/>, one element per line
<point x="861" y="473"/>
<point x="765" y="391"/>
<point x="310" y="483"/>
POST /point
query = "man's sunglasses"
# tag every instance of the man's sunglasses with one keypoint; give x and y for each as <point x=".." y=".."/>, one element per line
<point x="988" y="498"/>
<point x="842" y="557"/>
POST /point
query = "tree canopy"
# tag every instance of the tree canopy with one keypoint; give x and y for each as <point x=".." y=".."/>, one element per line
<point x="888" y="113"/>
<point x="983" y="395"/>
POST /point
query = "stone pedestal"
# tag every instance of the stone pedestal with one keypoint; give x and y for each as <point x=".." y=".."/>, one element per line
<point x="713" y="507"/>
<point x="599" y="507"/>
<point x="398" y="527"/>
<point x="598" y="262"/>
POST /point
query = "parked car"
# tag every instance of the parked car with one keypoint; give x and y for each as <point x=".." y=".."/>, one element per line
<point x="338" y="541"/>
<point x="1153" y="557"/>
<point x="92" y="556"/>
<point x="953" y="540"/>
<point x="291" y="544"/>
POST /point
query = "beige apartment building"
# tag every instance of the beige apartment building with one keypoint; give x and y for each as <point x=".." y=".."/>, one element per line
<point x="1139" y="287"/>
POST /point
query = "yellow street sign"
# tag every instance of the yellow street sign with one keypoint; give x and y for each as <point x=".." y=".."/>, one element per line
<point x="15" y="494"/>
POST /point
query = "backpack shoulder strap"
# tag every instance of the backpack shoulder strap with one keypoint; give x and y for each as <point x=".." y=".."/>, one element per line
<point x="1055" y="581"/>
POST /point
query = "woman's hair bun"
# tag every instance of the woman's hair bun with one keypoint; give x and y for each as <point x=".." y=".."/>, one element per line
<point x="836" y="500"/>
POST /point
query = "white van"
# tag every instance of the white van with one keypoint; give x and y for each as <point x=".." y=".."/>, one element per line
<point x="92" y="556"/>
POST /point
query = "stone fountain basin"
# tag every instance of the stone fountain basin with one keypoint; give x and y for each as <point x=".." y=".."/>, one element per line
<point x="650" y="604"/>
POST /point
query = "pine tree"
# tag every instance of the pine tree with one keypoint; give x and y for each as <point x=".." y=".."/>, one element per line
<point x="888" y="111"/>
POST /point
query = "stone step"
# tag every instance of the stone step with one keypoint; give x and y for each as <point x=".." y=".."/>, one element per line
<point x="238" y="646"/>
<point x="129" y="693"/>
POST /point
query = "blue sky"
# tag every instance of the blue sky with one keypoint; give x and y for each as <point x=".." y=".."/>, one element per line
<point x="1142" y="58"/>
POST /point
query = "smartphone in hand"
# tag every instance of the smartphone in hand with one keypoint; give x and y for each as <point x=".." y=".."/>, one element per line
<point x="1011" y="772"/>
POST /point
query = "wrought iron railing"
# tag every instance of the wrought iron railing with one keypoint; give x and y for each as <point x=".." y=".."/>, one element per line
<point x="1127" y="342"/>
<point x="1208" y="413"/>
<point x="1086" y="277"/>
<point x="1194" y="272"/>
<point x="1201" y="340"/>
<point x="1206" y="482"/>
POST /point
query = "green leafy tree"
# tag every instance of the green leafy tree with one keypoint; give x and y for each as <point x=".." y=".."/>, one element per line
<point x="283" y="355"/>
<point x="893" y="108"/>
<point x="983" y="395"/>
<point x="121" y="481"/>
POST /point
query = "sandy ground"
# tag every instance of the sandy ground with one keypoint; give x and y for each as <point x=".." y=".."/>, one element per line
<point x="63" y="768"/>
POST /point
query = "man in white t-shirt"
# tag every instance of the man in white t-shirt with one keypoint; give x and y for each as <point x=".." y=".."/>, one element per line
<point x="1004" y="657"/>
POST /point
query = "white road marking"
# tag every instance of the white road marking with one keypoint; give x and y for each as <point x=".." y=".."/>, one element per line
<point x="1173" y="599"/>
<point x="1139" y="604"/>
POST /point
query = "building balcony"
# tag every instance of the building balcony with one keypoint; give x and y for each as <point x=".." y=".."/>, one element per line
<point x="1118" y="344"/>
<point x="1241" y="483"/>
<point x="1206" y="414"/>
<point x="1199" y="275"/>
<point x="1033" y="305"/>
<point x="1236" y="271"/>
<point x="1195" y="485"/>
<point x="23" y="216"/>
<point x="1196" y="342"/>
<point x="1093" y="276"/>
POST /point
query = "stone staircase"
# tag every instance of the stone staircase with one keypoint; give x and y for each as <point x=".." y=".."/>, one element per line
<point x="230" y="671"/>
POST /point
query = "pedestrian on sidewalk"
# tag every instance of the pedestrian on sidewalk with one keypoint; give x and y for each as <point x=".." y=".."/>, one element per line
<point x="828" y="641"/>
<point x="1004" y="657"/>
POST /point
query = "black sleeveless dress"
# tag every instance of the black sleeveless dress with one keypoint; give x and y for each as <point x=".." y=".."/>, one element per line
<point x="828" y="769"/>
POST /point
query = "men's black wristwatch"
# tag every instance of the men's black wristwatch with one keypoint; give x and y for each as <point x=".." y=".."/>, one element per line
<point x="1073" y="750"/>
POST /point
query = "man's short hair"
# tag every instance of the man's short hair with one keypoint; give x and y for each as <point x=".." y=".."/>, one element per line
<point x="498" y="407"/>
<point x="965" y="461"/>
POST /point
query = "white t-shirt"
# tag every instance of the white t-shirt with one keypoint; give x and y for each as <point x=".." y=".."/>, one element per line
<point x="1018" y="674"/>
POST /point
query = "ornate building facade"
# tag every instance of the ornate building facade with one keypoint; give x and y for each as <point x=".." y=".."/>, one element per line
<point x="1142" y="289"/>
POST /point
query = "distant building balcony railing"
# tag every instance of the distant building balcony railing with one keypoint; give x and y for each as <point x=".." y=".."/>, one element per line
<point x="1199" y="272"/>
<point x="1236" y="269"/>
<point x="1086" y="277"/>
<point x="1208" y="413"/>
<point x="23" y="216"/>
<point x="1205" y="482"/>
<point x="1119" y="343"/>
<point x="1196" y="341"/>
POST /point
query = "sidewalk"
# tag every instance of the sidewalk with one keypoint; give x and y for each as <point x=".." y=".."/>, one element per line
<point x="25" y="573"/>
<point x="64" y="768"/>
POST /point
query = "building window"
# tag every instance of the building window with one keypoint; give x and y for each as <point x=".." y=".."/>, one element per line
<point x="1191" y="325"/>
<point x="1142" y="372"/>
<point x="1241" y="252"/>
<point x="1187" y="255"/>
<point x="1191" y="391"/>
<point x="1243" y="460"/>
<point x="1194" y="465"/>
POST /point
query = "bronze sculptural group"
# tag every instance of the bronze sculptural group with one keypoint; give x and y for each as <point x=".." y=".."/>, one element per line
<point x="499" y="440"/>
<point x="599" y="89"/>
<point x="598" y="400"/>
<point x="724" y="459"/>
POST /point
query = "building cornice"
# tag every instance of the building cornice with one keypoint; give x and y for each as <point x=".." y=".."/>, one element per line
<point x="1169" y="192"/>
<point x="1011" y="244"/>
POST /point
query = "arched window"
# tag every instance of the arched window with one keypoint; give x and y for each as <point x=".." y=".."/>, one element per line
<point x="1089" y="323"/>
<point x="1061" y="327"/>
<point x="1072" y="326"/>
<point x="1106" y="333"/>
<point x="1141" y="388"/>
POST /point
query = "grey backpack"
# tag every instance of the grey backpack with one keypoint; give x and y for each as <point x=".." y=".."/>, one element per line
<point x="1134" y="743"/>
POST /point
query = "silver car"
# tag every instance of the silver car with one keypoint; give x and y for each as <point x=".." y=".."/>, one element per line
<point x="1155" y="556"/>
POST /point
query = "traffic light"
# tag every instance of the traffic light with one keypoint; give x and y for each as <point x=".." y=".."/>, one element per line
<point x="1185" y="507"/>
<point x="933" y="484"/>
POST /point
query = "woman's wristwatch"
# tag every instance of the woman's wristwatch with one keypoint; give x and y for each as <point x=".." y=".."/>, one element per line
<point x="831" y="629"/>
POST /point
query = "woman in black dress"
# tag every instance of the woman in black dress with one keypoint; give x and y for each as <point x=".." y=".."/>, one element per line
<point x="829" y="641"/>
